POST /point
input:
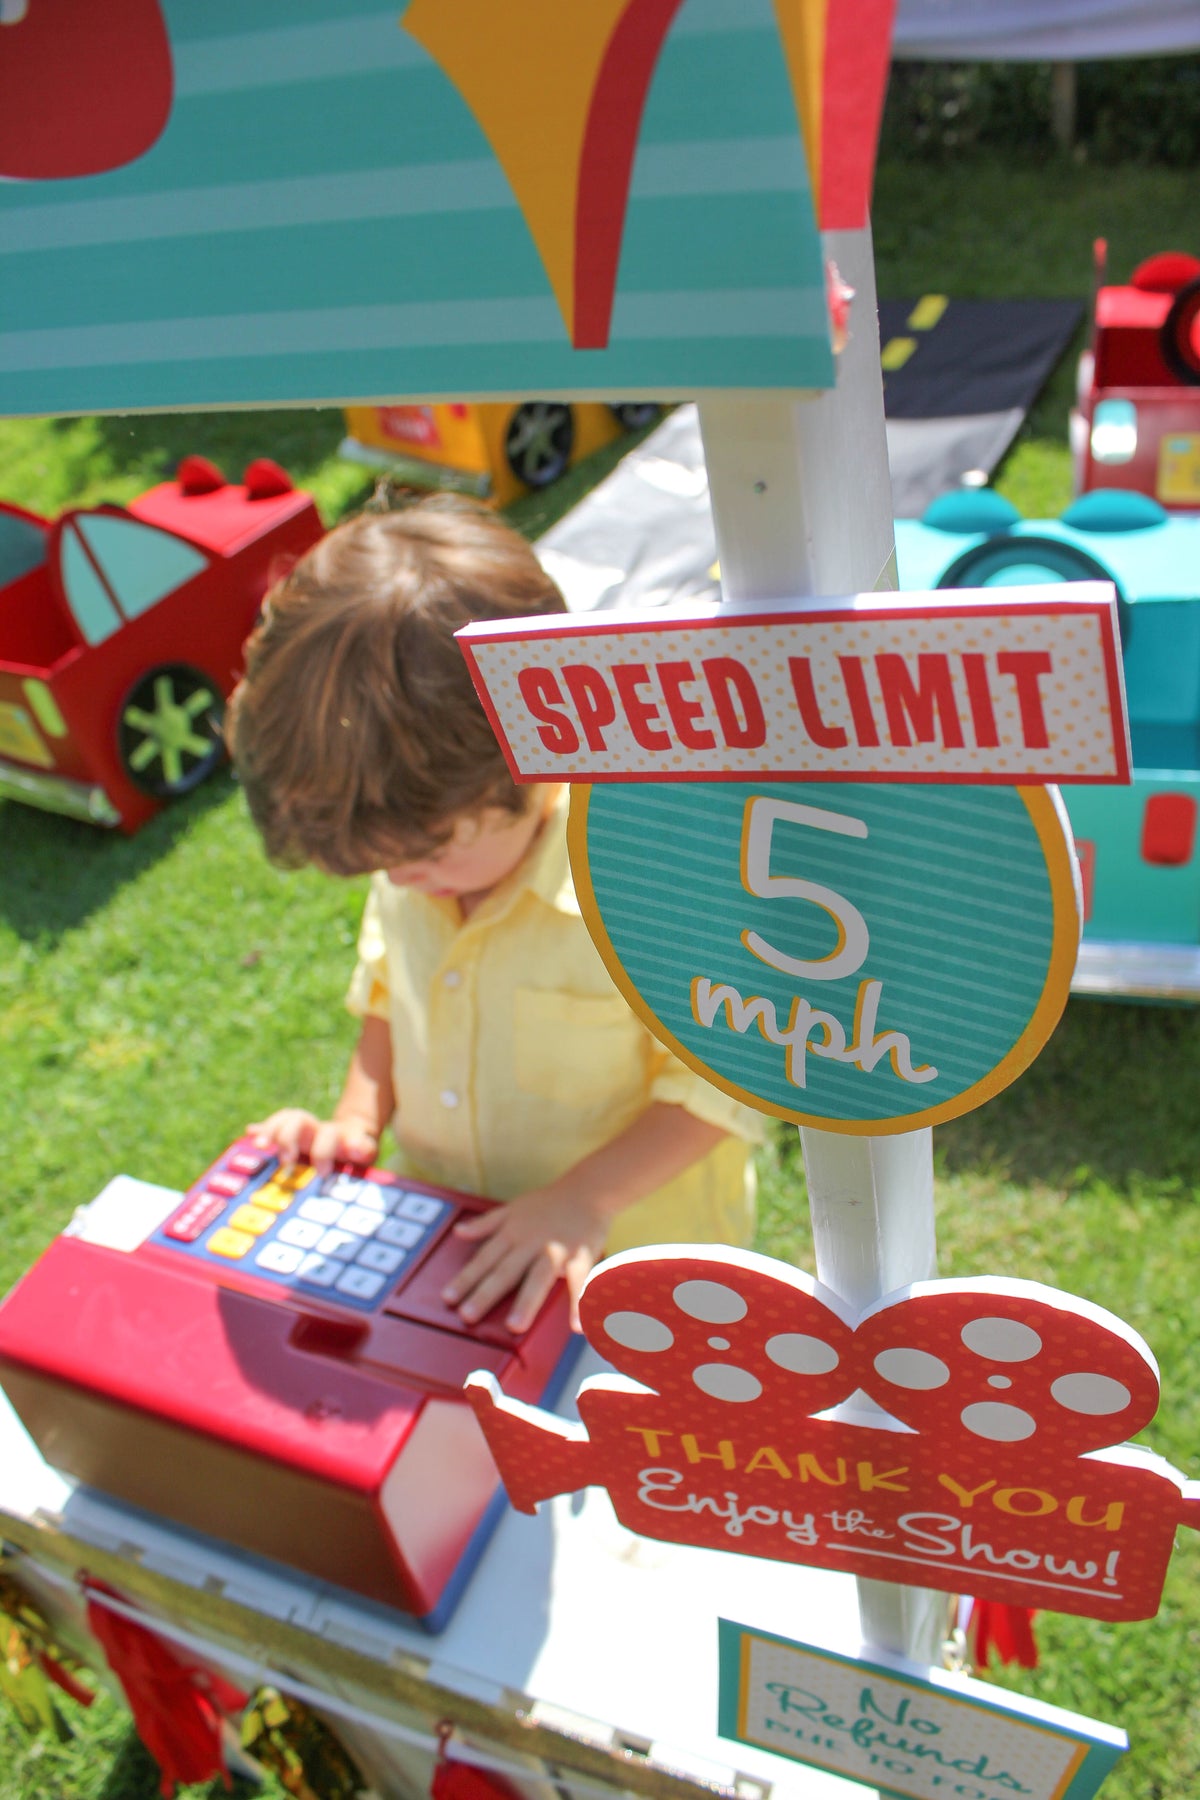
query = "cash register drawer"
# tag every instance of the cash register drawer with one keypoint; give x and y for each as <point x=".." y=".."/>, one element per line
<point x="272" y="1366"/>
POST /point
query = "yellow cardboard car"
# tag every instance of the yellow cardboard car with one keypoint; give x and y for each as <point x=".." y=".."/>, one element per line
<point x="495" y="449"/>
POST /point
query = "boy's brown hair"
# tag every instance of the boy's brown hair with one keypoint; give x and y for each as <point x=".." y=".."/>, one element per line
<point x="356" y="730"/>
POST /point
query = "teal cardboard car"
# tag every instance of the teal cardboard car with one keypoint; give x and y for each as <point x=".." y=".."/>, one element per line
<point x="1137" y="845"/>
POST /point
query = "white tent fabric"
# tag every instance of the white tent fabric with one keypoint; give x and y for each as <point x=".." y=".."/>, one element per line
<point x="1043" y="30"/>
<point x="645" y="536"/>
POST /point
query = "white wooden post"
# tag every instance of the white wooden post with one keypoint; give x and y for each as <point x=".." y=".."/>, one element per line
<point x="1063" y="103"/>
<point x="802" y="505"/>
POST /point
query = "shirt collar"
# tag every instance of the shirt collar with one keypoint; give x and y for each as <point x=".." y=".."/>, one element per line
<point x="544" y="872"/>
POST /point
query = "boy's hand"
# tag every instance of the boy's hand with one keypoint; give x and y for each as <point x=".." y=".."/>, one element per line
<point x="300" y="1136"/>
<point x="525" y="1246"/>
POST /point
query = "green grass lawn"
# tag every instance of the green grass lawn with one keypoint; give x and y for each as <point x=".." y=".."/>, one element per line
<point x="992" y="229"/>
<point x="158" y="992"/>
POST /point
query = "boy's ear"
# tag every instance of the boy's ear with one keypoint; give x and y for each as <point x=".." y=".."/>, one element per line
<point x="551" y="794"/>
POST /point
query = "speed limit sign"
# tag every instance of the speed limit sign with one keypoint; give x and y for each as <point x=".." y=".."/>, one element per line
<point x="870" y="957"/>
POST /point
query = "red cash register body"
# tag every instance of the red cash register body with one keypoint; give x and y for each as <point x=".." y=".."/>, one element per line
<point x="273" y="1366"/>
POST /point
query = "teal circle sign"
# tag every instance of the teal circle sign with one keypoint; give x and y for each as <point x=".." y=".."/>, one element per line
<point x="865" y="957"/>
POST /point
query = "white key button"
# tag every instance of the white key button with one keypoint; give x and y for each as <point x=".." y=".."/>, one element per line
<point x="360" y="1282"/>
<point x="342" y="1244"/>
<point x="322" y="1212"/>
<point x="448" y="1098"/>
<point x="399" y="1231"/>
<point x="375" y="1199"/>
<point x="304" y="1233"/>
<point x="281" y="1259"/>
<point x="419" y="1207"/>
<point x="344" y="1187"/>
<point x="361" y="1220"/>
<point x="320" y="1271"/>
<point x="379" y="1256"/>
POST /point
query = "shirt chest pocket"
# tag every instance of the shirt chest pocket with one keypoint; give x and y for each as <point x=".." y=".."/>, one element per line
<point x="578" y="1052"/>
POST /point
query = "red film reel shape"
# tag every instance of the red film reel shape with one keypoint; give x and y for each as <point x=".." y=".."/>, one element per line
<point x="1000" y="1363"/>
<point x="723" y="1327"/>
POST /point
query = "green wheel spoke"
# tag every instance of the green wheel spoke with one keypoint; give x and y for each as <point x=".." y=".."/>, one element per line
<point x="144" y="755"/>
<point x="170" y="730"/>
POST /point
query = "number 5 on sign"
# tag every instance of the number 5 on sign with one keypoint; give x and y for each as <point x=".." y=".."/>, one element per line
<point x="758" y="829"/>
<point x="872" y="969"/>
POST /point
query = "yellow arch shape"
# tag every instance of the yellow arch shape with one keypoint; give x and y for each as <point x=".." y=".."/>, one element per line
<point x="557" y="88"/>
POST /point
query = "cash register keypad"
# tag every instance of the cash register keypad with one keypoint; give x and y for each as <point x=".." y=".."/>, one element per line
<point x="347" y="1237"/>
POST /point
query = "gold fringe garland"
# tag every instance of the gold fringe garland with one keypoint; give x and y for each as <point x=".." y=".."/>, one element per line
<point x="34" y="1669"/>
<point x="301" y="1751"/>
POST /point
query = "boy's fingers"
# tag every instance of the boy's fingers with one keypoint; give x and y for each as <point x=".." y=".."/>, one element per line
<point x="578" y="1268"/>
<point x="531" y="1297"/>
<point x="484" y="1260"/>
<point x="294" y="1135"/>
<point x="325" y="1146"/>
<point x="274" y="1134"/>
<point x="262" y="1132"/>
<point x="359" y="1147"/>
<point x="290" y="1132"/>
<point x="480" y="1225"/>
<point x="493" y="1287"/>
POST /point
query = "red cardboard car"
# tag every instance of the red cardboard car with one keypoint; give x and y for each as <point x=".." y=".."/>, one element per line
<point x="121" y="633"/>
<point x="1137" y="421"/>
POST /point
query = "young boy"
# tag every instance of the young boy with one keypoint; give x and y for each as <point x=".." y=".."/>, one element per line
<point x="493" y="1041"/>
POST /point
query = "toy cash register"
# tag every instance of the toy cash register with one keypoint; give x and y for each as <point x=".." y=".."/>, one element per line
<point x="270" y="1362"/>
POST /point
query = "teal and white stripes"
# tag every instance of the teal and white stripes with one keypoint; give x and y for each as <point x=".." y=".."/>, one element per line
<point x="952" y="882"/>
<point x="322" y="219"/>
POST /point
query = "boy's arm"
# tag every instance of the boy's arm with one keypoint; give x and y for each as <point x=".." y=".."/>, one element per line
<point x="353" y="1133"/>
<point x="560" y="1229"/>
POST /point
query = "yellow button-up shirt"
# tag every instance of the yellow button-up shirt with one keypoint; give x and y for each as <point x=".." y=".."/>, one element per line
<point x="513" y="1055"/>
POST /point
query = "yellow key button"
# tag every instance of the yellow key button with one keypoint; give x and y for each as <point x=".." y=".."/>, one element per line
<point x="254" y="1219"/>
<point x="275" y="1199"/>
<point x="296" y="1177"/>
<point x="227" y="1242"/>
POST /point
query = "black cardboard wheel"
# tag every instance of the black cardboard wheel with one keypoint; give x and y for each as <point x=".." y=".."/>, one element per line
<point x="633" y="414"/>
<point x="169" y="730"/>
<point x="1041" y="558"/>
<point x="1179" y="339"/>
<point x="539" y="441"/>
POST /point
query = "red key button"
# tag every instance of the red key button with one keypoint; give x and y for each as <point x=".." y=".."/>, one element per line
<point x="195" y="1216"/>
<point x="226" y="1183"/>
<point x="247" y="1162"/>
